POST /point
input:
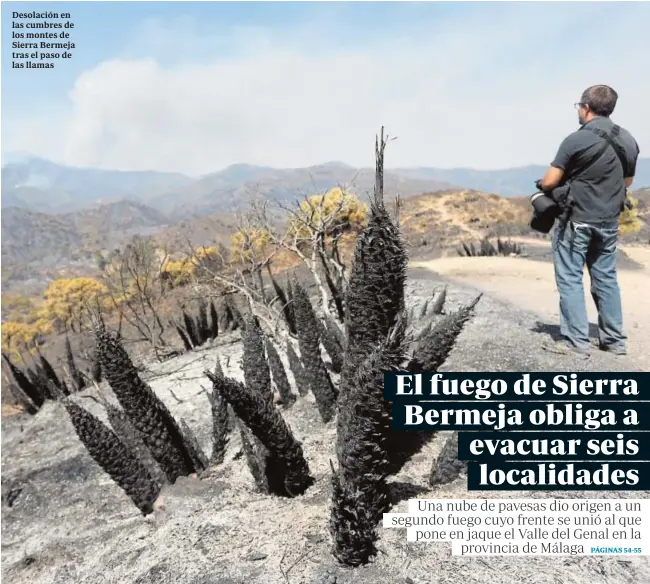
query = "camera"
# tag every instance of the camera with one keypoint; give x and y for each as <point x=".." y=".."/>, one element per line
<point x="545" y="211"/>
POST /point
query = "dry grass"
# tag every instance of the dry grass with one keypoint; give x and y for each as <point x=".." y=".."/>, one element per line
<point x="448" y="217"/>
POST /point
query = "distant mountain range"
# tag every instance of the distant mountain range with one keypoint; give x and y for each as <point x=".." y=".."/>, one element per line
<point x="32" y="236"/>
<point x="43" y="186"/>
<point x="55" y="217"/>
<point x="511" y="182"/>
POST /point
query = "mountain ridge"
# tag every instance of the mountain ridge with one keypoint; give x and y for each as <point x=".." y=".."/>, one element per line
<point x="41" y="185"/>
<point x="30" y="235"/>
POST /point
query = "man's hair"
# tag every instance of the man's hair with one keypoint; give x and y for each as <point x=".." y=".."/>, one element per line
<point x="601" y="99"/>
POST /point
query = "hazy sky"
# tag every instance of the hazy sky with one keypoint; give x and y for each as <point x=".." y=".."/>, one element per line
<point x="194" y="87"/>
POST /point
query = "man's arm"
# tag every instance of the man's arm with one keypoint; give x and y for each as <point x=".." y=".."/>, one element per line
<point x="631" y="165"/>
<point x="555" y="173"/>
<point x="552" y="178"/>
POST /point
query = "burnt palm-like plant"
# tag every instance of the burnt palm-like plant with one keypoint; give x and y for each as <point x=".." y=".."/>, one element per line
<point x="227" y="317"/>
<point x="199" y="459"/>
<point x="96" y="369"/>
<point x="316" y="374"/>
<point x="360" y="489"/>
<point x="256" y="458"/>
<point x="298" y="370"/>
<point x="487" y="248"/>
<point x="291" y="315"/>
<point x="431" y="349"/>
<point x="114" y="457"/>
<point x="425" y="308"/>
<point x="258" y="380"/>
<point x="190" y="329"/>
<point x="29" y="389"/>
<point x="446" y="467"/>
<point x="279" y="375"/>
<point x="203" y="319"/>
<point x="335" y="331"/>
<point x="184" y="339"/>
<point x="76" y="378"/>
<point x="285" y="469"/>
<point x="332" y="346"/>
<point x="214" y="322"/>
<point x="256" y="369"/>
<point x="375" y="325"/>
<point x="436" y="342"/>
<point x="132" y="439"/>
<point x="40" y="381"/>
<point x="198" y="331"/>
<point x="51" y="375"/>
<point x="22" y="400"/>
<point x="284" y="301"/>
<point x="507" y="248"/>
<point x="220" y="423"/>
<point x="146" y="412"/>
<point x="439" y="301"/>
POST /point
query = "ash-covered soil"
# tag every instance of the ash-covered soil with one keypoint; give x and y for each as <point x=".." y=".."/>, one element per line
<point x="65" y="522"/>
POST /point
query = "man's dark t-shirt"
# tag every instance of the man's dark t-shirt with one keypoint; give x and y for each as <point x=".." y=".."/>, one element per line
<point x="599" y="191"/>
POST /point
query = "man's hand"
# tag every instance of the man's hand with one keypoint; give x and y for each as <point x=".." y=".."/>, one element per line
<point x="552" y="178"/>
<point x="538" y="184"/>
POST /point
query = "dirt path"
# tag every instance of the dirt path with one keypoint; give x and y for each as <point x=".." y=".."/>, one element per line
<point x="531" y="286"/>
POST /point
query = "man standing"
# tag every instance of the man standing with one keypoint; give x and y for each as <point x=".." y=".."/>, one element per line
<point x="598" y="161"/>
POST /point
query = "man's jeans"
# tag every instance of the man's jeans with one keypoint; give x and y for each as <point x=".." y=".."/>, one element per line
<point x="595" y="245"/>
